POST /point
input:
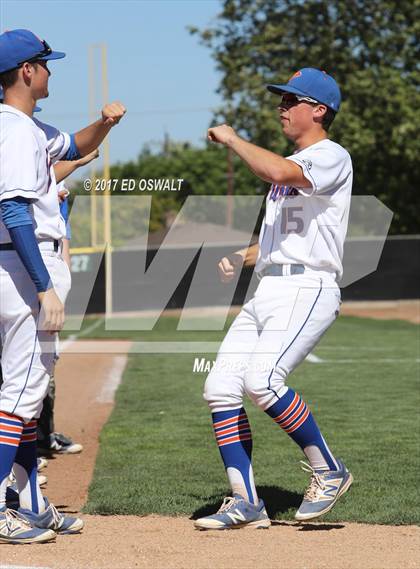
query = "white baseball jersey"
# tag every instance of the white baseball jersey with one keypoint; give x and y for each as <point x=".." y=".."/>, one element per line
<point x="28" y="149"/>
<point x="308" y="225"/>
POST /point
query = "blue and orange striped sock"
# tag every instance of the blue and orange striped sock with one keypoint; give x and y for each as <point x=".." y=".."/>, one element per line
<point x="293" y="415"/>
<point x="25" y="469"/>
<point x="234" y="438"/>
<point x="11" y="428"/>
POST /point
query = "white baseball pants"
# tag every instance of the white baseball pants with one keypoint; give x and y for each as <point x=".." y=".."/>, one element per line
<point x="28" y="353"/>
<point x="270" y="337"/>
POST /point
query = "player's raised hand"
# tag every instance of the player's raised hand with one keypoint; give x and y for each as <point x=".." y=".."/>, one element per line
<point x="222" y="134"/>
<point x="113" y="113"/>
<point x="52" y="311"/>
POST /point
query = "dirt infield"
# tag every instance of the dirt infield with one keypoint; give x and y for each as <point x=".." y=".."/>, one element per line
<point x="169" y="543"/>
<point x="85" y="383"/>
<point x="408" y="310"/>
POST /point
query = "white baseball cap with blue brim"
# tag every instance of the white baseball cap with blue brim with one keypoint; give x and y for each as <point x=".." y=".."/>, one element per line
<point x="20" y="46"/>
<point x="313" y="83"/>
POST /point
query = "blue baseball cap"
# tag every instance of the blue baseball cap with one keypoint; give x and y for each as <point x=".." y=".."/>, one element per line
<point x="36" y="109"/>
<point x="18" y="46"/>
<point x="313" y="83"/>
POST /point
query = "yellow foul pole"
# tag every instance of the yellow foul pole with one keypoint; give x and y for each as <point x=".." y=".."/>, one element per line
<point x="92" y="118"/>
<point x="107" y="197"/>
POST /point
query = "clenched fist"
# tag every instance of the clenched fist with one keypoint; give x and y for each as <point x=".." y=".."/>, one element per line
<point x="222" y="134"/>
<point x="229" y="266"/>
<point x="113" y="113"/>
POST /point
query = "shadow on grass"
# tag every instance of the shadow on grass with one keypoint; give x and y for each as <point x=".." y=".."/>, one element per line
<point x="277" y="501"/>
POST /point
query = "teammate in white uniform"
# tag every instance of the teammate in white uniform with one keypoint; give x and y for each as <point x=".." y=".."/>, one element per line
<point x="298" y="260"/>
<point x="34" y="279"/>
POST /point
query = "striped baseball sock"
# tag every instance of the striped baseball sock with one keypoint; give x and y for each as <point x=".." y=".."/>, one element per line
<point x="234" y="438"/>
<point x="295" y="418"/>
<point x="25" y="469"/>
<point x="11" y="428"/>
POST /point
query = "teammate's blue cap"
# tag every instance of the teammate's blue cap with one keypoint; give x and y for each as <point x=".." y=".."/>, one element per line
<point x="313" y="83"/>
<point x="36" y="109"/>
<point x="18" y="46"/>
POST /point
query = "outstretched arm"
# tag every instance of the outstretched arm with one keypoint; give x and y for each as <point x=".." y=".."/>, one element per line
<point x="265" y="164"/>
<point x="64" y="168"/>
<point x="91" y="137"/>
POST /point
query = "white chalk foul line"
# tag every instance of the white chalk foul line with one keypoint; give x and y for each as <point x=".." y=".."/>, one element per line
<point x="112" y="380"/>
<point x="64" y="345"/>
<point x="372" y="360"/>
<point x="21" y="567"/>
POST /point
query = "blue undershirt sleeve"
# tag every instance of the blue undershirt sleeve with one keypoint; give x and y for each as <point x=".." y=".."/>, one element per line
<point x="15" y="212"/>
<point x="18" y="221"/>
<point x="73" y="152"/>
<point x="68" y="231"/>
<point x="64" y="210"/>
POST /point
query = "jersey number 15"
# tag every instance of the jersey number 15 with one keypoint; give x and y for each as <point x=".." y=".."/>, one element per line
<point x="291" y="222"/>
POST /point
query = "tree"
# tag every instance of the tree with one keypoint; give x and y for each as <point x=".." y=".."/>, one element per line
<point x="203" y="171"/>
<point x="371" y="48"/>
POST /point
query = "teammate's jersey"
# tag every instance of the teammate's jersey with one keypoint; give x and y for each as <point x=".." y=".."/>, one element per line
<point x="308" y="225"/>
<point x="28" y="149"/>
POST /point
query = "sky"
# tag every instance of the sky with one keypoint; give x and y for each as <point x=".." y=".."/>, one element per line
<point x="161" y="73"/>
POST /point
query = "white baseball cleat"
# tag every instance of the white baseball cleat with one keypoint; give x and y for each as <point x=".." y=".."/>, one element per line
<point x="54" y="520"/>
<point x="59" y="444"/>
<point x="235" y="512"/>
<point x="14" y="528"/>
<point x="42" y="463"/>
<point x="42" y="480"/>
<point x="324" y="490"/>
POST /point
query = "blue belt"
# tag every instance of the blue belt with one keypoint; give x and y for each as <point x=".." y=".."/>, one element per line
<point x="281" y="270"/>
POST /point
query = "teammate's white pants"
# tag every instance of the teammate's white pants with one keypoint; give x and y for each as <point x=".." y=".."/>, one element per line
<point x="271" y="335"/>
<point x="27" y="354"/>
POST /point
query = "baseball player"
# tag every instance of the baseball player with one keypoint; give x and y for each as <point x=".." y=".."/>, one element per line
<point x="34" y="278"/>
<point x="298" y="261"/>
<point x="49" y="441"/>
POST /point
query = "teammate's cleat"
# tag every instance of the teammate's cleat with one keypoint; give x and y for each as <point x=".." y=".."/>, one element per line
<point x="235" y="512"/>
<point x="42" y="480"/>
<point x="14" y="528"/>
<point x="42" y="462"/>
<point x="324" y="490"/>
<point x="52" y="519"/>
<point x="59" y="444"/>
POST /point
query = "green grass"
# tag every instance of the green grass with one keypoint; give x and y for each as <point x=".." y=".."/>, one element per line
<point x="164" y="330"/>
<point x="158" y="455"/>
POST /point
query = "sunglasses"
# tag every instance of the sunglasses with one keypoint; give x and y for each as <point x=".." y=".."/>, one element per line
<point x="46" y="51"/>
<point x="291" y="100"/>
